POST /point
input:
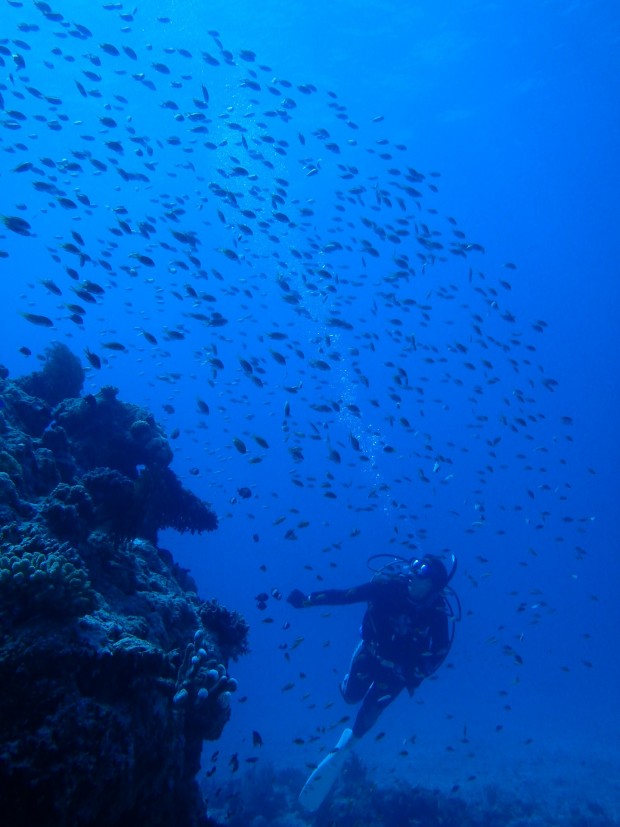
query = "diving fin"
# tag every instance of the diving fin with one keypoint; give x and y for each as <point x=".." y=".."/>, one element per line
<point x="322" y="778"/>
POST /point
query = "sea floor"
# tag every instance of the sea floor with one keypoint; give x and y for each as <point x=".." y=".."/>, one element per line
<point x="567" y="786"/>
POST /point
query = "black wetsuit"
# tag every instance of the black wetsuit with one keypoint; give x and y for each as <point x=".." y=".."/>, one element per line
<point x="402" y="643"/>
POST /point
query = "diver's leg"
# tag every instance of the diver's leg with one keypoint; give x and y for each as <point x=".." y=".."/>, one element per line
<point x="385" y="688"/>
<point x="359" y="677"/>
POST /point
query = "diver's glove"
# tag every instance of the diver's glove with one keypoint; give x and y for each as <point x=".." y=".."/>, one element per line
<point x="298" y="599"/>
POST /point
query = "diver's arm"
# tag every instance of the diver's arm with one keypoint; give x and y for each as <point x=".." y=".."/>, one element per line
<point x="332" y="597"/>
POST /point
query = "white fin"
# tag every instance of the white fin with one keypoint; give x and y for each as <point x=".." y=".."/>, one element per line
<point x="322" y="778"/>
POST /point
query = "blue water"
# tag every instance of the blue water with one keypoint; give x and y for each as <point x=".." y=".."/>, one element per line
<point x="490" y="375"/>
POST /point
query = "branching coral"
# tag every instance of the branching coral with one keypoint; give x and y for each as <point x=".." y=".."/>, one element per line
<point x="230" y="628"/>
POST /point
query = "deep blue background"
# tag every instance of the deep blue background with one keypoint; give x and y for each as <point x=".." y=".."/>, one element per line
<point x="516" y="105"/>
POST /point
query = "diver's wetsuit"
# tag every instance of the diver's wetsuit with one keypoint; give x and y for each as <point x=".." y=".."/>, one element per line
<point x="402" y="643"/>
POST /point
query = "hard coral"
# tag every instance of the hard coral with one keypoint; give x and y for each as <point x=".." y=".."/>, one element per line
<point x="61" y="377"/>
<point x="230" y="628"/>
<point x="30" y="414"/>
<point x="112" y="494"/>
<point x="41" y="577"/>
<point x="104" y="432"/>
<point x="55" y="439"/>
<point x="164" y="503"/>
<point x="203" y="691"/>
<point x="11" y="505"/>
<point x="68" y="511"/>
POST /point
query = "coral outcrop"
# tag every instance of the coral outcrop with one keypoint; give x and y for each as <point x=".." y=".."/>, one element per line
<point x="113" y="670"/>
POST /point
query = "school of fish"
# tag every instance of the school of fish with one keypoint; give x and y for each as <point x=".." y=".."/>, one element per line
<point x="301" y="280"/>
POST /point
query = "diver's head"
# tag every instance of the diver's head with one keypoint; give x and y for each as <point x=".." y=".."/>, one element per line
<point x="427" y="576"/>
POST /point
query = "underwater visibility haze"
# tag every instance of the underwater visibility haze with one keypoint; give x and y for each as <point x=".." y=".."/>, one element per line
<point x="285" y="286"/>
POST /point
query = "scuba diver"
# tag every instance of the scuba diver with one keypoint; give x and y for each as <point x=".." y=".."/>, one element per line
<point x="406" y="633"/>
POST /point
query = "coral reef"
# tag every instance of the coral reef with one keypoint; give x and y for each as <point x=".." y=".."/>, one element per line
<point x="40" y="577"/>
<point x="230" y="627"/>
<point x="114" y="671"/>
<point x="203" y="691"/>
<point x="162" y="502"/>
<point x="107" y="433"/>
<point x="61" y="377"/>
<point x="265" y="796"/>
<point x="98" y="462"/>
